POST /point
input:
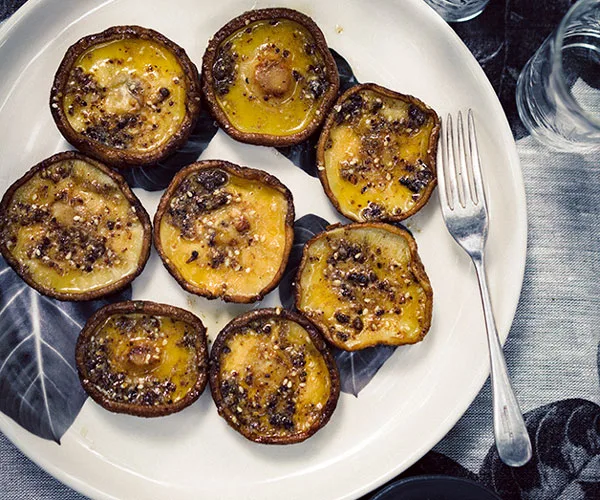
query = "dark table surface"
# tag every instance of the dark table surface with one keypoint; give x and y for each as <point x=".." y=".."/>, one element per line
<point x="552" y="347"/>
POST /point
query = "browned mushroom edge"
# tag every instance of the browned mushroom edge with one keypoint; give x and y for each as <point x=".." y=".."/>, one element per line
<point x="232" y="329"/>
<point x="208" y="80"/>
<point x="416" y="266"/>
<point x="245" y="172"/>
<point x="127" y="192"/>
<point x="121" y="158"/>
<point x="151" y="308"/>
<point x="431" y="151"/>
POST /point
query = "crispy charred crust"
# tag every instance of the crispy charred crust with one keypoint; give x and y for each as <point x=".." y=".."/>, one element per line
<point x="431" y="151"/>
<point x="127" y="192"/>
<point x="247" y="173"/>
<point x="143" y="307"/>
<point x="208" y="87"/>
<point x="117" y="157"/>
<point x="416" y="266"/>
<point x="234" y="327"/>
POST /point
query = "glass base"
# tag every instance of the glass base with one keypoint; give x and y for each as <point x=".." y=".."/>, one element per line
<point x="540" y="121"/>
<point x="456" y="11"/>
<point x="467" y="17"/>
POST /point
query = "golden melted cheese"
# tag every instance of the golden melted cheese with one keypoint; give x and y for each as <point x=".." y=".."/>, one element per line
<point x="375" y="156"/>
<point x="360" y="286"/>
<point x="270" y="78"/>
<point x="147" y="360"/>
<point x="126" y="94"/>
<point x="235" y="247"/>
<point x="273" y="379"/>
<point x="72" y="230"/>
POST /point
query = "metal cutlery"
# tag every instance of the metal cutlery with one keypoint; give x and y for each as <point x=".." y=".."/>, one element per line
<point x="465" y="212"/>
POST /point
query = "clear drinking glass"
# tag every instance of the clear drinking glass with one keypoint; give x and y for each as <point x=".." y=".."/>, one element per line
<point x="558" y="92"/>
<point x="455" y="11"/>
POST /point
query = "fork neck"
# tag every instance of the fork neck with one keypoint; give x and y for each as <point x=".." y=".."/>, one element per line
<point x="477" y="256"/>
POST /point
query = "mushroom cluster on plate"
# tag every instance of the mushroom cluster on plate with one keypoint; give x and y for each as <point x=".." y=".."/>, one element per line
<point x="72" y="228"/>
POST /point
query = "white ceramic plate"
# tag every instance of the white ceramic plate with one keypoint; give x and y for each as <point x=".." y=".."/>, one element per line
<point x="419" y="393"/>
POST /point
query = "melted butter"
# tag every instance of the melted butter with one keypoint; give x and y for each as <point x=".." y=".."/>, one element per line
<point x="403" y="316"/>
<point x="269" y="358"/>
<point x="381" y="184"/>
<point x="245" y="104"/>
<point x="86" y="200"/>
<point x="250" y="259"/>
<point x="135" y="97"/>
<point x="147" y="358"/>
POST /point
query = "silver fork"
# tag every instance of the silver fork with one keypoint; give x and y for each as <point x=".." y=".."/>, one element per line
<point x="465" y="212"/>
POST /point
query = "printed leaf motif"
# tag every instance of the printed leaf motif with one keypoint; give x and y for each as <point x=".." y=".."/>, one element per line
<point x="357" y="368"/>
<point x="39" y="386"/>
<point x="304" y="229"/>
<point x="304" y="155"/>
<point x="347" y="77"/>
<point x="566" y="456"/>
<point x="157" y="177"/>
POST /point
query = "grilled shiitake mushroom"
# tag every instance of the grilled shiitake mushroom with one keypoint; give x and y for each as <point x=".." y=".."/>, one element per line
<point x="143" y="358"/>
<point x="376" y="154"/>
<point x="225" y="231"/>
<point x="128" y="96"/>
<point x="73" y="230"/>
<point x="269" y="78"/>
<point x="363" y="285"/>
<point x="272" y="377"/>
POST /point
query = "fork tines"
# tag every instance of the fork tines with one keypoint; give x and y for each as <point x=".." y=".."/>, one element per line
<point x="460" y="178"/>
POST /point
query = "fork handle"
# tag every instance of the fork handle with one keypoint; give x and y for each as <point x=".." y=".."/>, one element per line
<point x="512" y="439"/>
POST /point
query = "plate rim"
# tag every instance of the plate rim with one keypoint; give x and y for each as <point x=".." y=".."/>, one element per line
<point x="11" y="429"/>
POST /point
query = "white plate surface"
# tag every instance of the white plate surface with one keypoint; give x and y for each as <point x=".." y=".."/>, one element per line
<point x="419" y="393"/>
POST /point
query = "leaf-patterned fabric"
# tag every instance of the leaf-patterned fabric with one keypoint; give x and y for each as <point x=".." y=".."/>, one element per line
<point x="39" y="385"/>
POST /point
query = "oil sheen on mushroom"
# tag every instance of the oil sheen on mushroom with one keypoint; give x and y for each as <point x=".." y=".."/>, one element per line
<point x="272" y="380"/>
<point x="376" y="154"/>
<point x="364" y="285"/>
<point x="272" y="79"/>
<point x="128" y="96"/>
<point x="225" y="231"/>
<point x="71" y="230"/>
<point x="143" y="358"/>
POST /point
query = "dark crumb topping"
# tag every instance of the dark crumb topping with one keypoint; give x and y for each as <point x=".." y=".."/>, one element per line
<point x="73" y="245"/>
<point x="113" y="130"/>
<point x="275" y="70"/>
<point x="224" y="70"/>
<point x="82" y="242"/>
<point x="418" y="179"/>
<point x="122" y="360"/>
<point x="130" y="126"/>
<point x="416" y="117"/>
<point x="365" y="286"/>
<point x="350" y="109"/>
<point x="317" y="81"/>
<point x="373" y="211"/>
<point x="264" y="397"/>
<point x="219" y="215"/>
<point x="377" y="164"/>
<point x="197" y="195"/>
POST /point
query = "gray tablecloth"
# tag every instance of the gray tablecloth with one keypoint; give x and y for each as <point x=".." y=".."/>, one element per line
<point x="552" y="350"/>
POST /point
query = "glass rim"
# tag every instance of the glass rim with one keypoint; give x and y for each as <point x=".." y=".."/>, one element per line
<point x="558" y="43"/>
